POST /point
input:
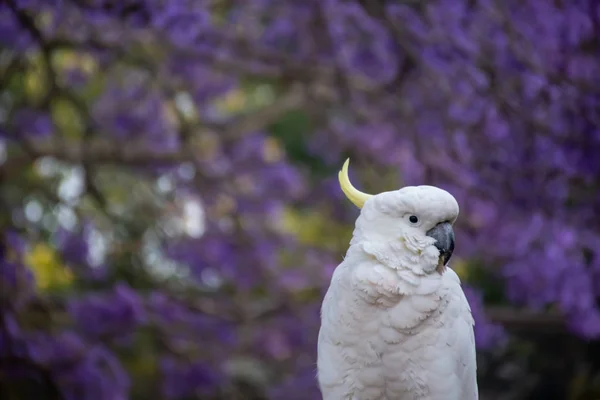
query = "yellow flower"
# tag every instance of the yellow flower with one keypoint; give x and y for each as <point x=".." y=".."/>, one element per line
<point x="46" y="266"/>
<point x="272" y="151"/>
<point x="234" y="101"/>
<point x="313" y="229"/>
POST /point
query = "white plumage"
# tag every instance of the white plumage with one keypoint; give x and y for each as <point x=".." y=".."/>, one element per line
<point x="395" y="323"/>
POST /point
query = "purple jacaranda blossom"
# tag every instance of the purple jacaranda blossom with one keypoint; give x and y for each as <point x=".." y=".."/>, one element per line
<point x="12" y="34"/>
<point x="16" y="280"/>
<point x="183" y="379"/>
<point x="63" y="349"/>
<point x="183" y="25"/>
<point x="288" y="389"/>
<point x="365" y="46"/>
<point x="98" y="375"/>
<point x="33" y="123"/>
<point x="496" y="102"/>
<point x="74" y="246"/>
<point x="114" y="314"/>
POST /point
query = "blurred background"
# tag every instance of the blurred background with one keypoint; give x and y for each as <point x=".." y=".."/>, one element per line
<point x="170" y="215"/>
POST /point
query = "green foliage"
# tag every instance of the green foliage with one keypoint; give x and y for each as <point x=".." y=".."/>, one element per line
<point x="293" y="129"/>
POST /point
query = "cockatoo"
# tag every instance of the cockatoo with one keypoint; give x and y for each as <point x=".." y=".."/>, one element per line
<point x="395" y="323"/>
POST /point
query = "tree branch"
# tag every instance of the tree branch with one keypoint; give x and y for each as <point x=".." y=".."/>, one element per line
<point x="526" y="320"/>
<point x="106" y="151"/>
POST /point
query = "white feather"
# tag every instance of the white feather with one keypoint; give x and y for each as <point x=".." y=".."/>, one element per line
<point x="393" y="328"/>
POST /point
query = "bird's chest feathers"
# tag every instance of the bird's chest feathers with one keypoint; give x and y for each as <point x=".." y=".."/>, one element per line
<point x="414" y="254"/>
<point x="384" y="301"/>
<point x="375" y="293"/>
<point x="383" y="311"/>
<point x="400" y="328"/>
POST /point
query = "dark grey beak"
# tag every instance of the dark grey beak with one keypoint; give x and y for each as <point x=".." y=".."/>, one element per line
<point x="444" y="236"/>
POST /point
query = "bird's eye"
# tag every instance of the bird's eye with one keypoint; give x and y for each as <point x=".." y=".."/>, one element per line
<point x="413" y="219"/>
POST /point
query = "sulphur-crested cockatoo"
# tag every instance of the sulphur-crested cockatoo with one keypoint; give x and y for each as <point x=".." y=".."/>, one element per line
<point x="395" y="323"/>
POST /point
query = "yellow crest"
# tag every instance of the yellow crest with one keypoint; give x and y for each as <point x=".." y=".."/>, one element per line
<point x="357" y="197"/>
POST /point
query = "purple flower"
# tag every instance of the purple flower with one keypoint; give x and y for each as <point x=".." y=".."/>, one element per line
<point x="183" y="379"/>
<point x="74" y="247"/>
<point x="145" y="118"/>
<point x="287" y="32"/>
<point x="16" y="281"/>
<point x="109" y="315"/>
<point x="33" y="123"/>
<point x="182" y="24"/>
<point x="12" y="34"/>
<point x="60" y="351"/>
<point x="495" y="102"/>
<point x="289" y="388"/>
<point x="98" y="376"/>
<point x="185" y="325"/>
<point x="363" y="45"/>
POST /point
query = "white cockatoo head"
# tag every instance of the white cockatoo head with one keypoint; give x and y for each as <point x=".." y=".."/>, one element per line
<point x="415" y="220"/>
